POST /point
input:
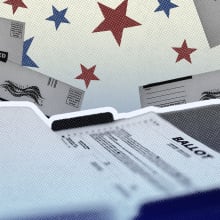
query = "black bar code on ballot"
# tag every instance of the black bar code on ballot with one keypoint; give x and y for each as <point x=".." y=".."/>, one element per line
<point x="16" y="30"/>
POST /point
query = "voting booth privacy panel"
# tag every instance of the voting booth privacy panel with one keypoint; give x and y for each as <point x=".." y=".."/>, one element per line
<point x="76" y="43"/>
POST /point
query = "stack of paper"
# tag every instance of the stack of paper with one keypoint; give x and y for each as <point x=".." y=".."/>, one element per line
<point x="108" y="170"/>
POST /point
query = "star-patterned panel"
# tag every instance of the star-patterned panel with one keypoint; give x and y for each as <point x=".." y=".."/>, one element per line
<point x="111" y="47"/>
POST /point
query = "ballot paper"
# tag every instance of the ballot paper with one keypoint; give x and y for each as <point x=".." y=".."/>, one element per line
<point x="209" y="15"/>
<point x="181" y="90"/>
<point x="51" y="96"/>
<point x="116" y="166"/>
<point x="11" y="40"/>
<point x="149" y="158"/>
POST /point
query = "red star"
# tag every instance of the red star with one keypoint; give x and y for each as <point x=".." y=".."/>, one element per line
<point x="184" y="52"/>
<point x="15" y="4"/>
<point x="87" y="75"/>
<point x="115" y="20"/>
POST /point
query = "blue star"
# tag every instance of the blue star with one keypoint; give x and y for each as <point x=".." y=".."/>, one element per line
<point x="58" y="17"/>
<point x="26" y="60"/>
<point x="166" y="6"/>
